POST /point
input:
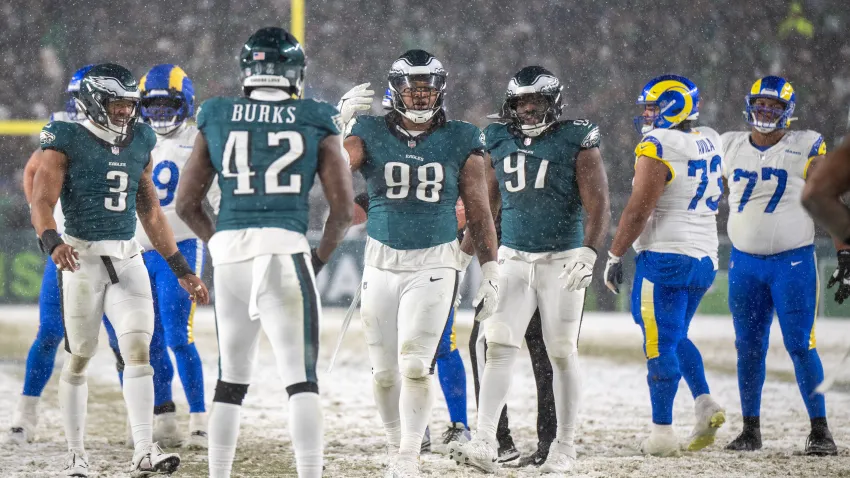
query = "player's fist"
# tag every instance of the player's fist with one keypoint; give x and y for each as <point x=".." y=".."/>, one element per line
<point x="841" y="276"/>
<point x="356" y="99"/>
<point x="65" y="258"/>
<point x="614" y="273"/>
<point x="316" y="261"/>
<point x="578" y="271"/>
<point x="487" y="298"/>
<point x="196" y="288"/>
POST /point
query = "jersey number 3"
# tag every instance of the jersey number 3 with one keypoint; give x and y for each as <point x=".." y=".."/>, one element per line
<point x="236" y="154"/>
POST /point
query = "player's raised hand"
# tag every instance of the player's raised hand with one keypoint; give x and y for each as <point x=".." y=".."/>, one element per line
<point x="487" y="298"/>
<point x="356" y="99"/>
<point x="65" y="258"/>
<point x="196" y="288"/>
<point x="578" y="272"/>
<point x="841" y="276"/>
<point x="614" y="273"/>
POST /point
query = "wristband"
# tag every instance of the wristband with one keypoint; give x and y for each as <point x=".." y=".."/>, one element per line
<point x="49" y="240"/>
<point x="178" y="265"/>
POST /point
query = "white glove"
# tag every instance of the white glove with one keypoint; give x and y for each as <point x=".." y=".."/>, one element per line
<point x="614" y="273"/>
<point x="578" y="272"/>
<point x="357" y="99"/>
<point x="465" y="260"/>
<point x="487" y="298"/>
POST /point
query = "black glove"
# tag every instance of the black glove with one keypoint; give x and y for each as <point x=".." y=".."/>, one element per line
<point x="614" y="273"/>
<point x="317" y="263"/>
<point x="841" y="276"/>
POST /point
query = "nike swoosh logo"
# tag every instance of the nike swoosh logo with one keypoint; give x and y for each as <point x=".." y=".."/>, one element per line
<point x="435" y="280"/>
<point x="796" y="263"/>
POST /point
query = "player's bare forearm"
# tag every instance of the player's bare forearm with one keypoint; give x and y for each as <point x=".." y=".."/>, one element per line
<point x="195" y="183"/>
<point x="337" y="184"/>
<point x="47" y="185"/>
<point x="29" y="174"/>
<point x="593" y="189"/>
<point x="479" y="217"/>
<point x="152" y="218"/>
<point x="356" y="151"/>
<point x="650" y="180"/>
<point x="825" y="185"/>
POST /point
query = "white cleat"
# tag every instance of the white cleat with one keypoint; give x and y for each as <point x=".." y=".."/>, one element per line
<point x="477" y="453"/>
<point x="166" y="431"/>
<point x="403" y="467"/>
<point x="561" y="458"/>
<point x="150" y="460"/>
<point x="662" y="442"/>
<point x="197" y="439"/>
<point x="710" y="417"/>
<point x="19" y="435"/>
<point x="77" y="464"/>
<point x="24" y="421"/>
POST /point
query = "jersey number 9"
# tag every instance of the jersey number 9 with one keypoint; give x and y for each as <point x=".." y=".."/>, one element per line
<point x="165" y="177"/>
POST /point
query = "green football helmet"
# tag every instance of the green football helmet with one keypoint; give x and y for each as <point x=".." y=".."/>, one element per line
<point x="100" y="86"/>
<point x="273" y="58"/>
<point x="538" y="81"/>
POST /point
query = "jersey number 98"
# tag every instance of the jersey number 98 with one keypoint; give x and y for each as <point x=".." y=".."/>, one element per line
<point x="398" y="177"/>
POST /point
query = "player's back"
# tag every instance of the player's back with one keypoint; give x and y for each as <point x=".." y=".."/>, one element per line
<point x="266" y="156"/>
<point x="684" y="221"/>
<point x="765" y="188"/>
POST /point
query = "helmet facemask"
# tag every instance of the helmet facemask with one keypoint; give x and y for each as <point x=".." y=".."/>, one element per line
<point x="164" y="113"/>
<point x="417" y="96"/>
<point x="767" y="114"/>
<point x="533" y="113"/>
<point x="109" y="105"/>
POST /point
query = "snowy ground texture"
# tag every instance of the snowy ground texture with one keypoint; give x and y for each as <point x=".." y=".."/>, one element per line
<point x="615" y="413"/>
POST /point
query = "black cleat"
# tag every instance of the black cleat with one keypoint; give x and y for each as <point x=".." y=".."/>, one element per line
<point x="748" y="440"/>
<point x="425" y="447"/>
<point x="820" y="443"/>
<point x="507" y="450"/>
<point x="537" y="458"/>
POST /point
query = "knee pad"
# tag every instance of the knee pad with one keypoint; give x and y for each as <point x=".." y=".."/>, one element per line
<point x="663" y="367"/>
<point x="387" y="378"/>
<point x="135" y="348"/>
<point x="414" y="367"/>
<point x="232" y="393"/>
<point x="136" y="371"/>
<point x="564" y="362"/>
<point x="302" y="387"/>
<point x="500" y="355"/>
<point x="498" y="333"/>
<point x="74" y="371"/>
<point x="562" y="346"/>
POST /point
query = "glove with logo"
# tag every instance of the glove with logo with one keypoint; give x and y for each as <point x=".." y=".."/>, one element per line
<point x="614" y="273"/>
<point x="487" y="298"/>
<point x="356" y="99"/>
<point x="578" y="272"/>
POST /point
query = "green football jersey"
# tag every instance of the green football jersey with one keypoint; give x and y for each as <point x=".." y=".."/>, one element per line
<point x="413" y="181"/>
<point x="541" y="205"/>
<point x="266" y="154"/>
<point x="99" y="192"/>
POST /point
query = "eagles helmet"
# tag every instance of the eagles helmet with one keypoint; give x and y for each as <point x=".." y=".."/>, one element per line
<point x="677" y="99"/>
<point x="168" y="98"/>
<point x="416" y="70"/>
<point x="74" y="113"/>
<point x="102" y="85"/>
<point x="533" y="80"/>
<point x="273" y="58"/>
<point x="764" y="118"/>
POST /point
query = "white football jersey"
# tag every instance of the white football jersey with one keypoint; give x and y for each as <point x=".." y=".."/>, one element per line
<point x="169" y="156"/>
<point x="766" y="215"/>
<point x="684" y="221"/>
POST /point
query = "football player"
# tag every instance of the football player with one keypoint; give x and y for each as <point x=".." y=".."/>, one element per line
<point x="167" y="103"/>
<point x="102" y="168"/>
<point x="264" y="271"/>
<point x="416" y="163"/>
<point x="545" y="174"/>
<point x="670" y="220"/>
<point x="773" y="265"/>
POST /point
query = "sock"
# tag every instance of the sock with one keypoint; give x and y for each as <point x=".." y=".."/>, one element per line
<point x="138" y="396"/>
<point x="26" y="413"/>
<point x="495" y="383"/>
<point x="663" y="380"/>
<point x="163" y="374"/>
<point x="809" y="372"/>
<point x="73" y="401"/>
<point x="40" y="360"/>
<point x="306" y="432"/>
<point x="566" y="385"/>
<point x="387" y="401"/>
<point x="452" y="375"/>
<point x="819" y="424"/>
<point x="415" y="403"/>
<point x="223" y="434"/>
<point x="691" y="367"/>
<point x="751" y="423"/>
<point x="191" y="375"/>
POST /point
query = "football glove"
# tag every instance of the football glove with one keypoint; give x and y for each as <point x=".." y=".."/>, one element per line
<point x="356" y="99"/>
<point x="578" y="271"/>
<point x="841" y="276"/>
<point x="614" y="273"/>
<point x="487" y="298"/>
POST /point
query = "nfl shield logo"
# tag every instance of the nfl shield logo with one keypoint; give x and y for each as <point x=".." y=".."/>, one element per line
<point x="259" y="55"/>
<point x="116" y="150"/>
<point x="411" y="143"/>
<point x="527" y="141"/>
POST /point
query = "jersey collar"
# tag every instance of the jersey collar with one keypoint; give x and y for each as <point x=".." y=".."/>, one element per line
<point x="395" y="125"/>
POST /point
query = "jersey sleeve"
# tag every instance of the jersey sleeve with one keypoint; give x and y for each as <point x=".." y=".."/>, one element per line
<point x="725" y="141"/>
<point x="818" y="149"/>
<point x="148" y="136"/>
<point x="477" y="140"/>
<point x="56" y="136"/>
<point x="206" y="112"/>
<point x="650" y="146"/>
<point x="326" y="118"/>
<point x="589" y="134"/>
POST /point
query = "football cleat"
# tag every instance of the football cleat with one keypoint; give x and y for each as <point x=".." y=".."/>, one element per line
<point x="77" y="464"/>
<point x="537" y="458"/>
<point x="166" y="431"/>
<point x="478" y="454"/>
<point x="426" y="441"/>
<point x="662" y="442"/>
<point x="710" y="417"/>
<point x="150" y="460"/>
<point x="748" y="440"/>
<point x="19" y="435"/>
<point x="456" y="432"/>
<point x="403" y="467"/>
<point x="820" y="443"/>
<point x="561" y="459"/>
<point x="507" y="450"/>
<point x="198" y="439"/>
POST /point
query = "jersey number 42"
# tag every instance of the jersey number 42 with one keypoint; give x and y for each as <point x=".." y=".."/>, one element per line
<point x="236" y="156"/>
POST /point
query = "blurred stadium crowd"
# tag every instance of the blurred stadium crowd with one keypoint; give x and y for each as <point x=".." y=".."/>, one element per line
<point x="603" y="51"/>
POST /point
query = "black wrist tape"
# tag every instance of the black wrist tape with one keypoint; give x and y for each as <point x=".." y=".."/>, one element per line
<point x="178" y="265"/>
<point x="49" y="240"/>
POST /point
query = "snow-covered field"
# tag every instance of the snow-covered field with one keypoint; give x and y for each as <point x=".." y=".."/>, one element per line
<point x="615" y="412"/>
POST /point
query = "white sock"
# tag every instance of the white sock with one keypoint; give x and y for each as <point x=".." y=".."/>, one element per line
<point x="26" y="412"/>
<point x="495" y="383"/>
<point x="417" y="400"/>
<point x="306" y="432"/>
<point x="138" y="396"/>
<point x="223" y="434"/>
<point x="198" y="422"/>
<point x="387" y="401"/>
<point x="566" y="385"/>
<point x="73" y="401"/>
